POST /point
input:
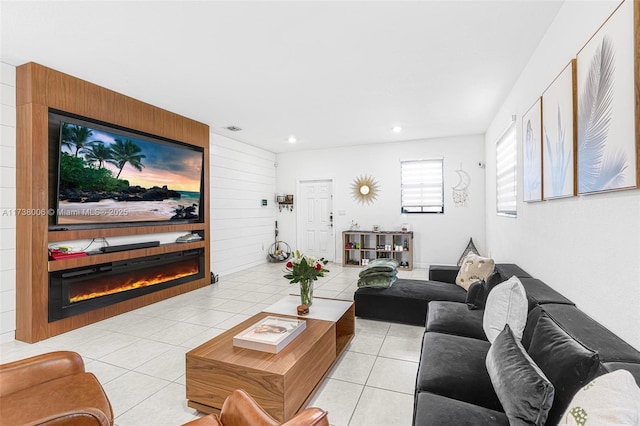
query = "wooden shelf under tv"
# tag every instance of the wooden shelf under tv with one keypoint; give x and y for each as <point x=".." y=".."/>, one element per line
<point x="79" y="234"/>
<point x="62" y="264"/>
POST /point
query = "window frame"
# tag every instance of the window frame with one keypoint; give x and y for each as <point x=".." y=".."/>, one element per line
<point x="424" y="207"/>
<point x="507" y="176"/>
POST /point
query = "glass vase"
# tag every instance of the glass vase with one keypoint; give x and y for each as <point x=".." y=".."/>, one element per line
<point x="306" y="292"/>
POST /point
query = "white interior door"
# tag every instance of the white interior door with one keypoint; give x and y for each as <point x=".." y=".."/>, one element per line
<point x="315" y="219"/>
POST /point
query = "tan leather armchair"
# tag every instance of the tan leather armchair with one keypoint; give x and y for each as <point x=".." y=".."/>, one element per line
<point x="52" y="389"/>
<point x="239" y="409"/>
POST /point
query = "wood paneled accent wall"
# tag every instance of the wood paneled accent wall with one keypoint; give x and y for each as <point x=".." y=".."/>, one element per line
<point x="38" y="89"/>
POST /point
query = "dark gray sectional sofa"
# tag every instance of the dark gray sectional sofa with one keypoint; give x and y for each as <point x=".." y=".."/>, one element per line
<point x="453" y="385"/>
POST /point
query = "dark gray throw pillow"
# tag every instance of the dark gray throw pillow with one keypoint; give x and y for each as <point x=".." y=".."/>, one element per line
<point x="476" y="295"/>
<point x="525" y="393"/>
<point x="478" y="291"/>
<point x="568" y="364"/>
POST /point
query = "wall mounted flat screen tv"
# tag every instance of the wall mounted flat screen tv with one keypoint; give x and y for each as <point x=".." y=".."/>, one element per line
<point x="111" y="176"/>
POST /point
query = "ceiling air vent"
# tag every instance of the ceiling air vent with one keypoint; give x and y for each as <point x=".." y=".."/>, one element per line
<point x="233" y="128"/>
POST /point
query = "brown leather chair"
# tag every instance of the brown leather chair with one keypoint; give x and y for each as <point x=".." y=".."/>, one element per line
<point x="239" y="409"/>
<point x="52" y="389"/>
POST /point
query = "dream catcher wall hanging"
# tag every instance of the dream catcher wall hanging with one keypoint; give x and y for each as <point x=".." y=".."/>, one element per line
<point x="460" y="190"/>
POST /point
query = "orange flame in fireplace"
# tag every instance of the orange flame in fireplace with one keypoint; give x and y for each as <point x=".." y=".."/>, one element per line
<point x="145" y="282"/>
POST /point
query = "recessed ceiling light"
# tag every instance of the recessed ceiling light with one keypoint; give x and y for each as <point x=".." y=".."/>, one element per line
<point x="292" y="139"/>
<point x="233" y="128"/>
<point x="397" y="129"/>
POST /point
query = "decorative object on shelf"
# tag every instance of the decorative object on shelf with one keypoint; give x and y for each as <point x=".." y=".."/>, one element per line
<point x="460" y="190"/>
<point x="305" y="270"/>
<point x="354" y="225"/>
<point x="285" y="201"/>
<point x="558" y="135"/>
<point x="532" y="148"/>
<point x="375" y="228"/>
<point x="608" y="148"/>
<point x="365" y="189"/>
<point x="303" y="309"/>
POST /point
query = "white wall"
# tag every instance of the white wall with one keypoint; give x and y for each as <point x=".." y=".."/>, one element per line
<point x="242" y="229"/>
<point x="586" y="247"/>
<point x="438" y="238"/>
<point x="7" y="202"/>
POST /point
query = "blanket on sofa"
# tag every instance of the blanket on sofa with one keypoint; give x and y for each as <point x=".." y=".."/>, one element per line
<point x="379" y="273"/>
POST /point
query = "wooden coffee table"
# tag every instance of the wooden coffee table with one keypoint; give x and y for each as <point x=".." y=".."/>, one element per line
<point x="281" y="383"/>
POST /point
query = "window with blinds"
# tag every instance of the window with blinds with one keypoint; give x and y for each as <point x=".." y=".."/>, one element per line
<point x="422" y="186"/>
<point x="507" y="173"/>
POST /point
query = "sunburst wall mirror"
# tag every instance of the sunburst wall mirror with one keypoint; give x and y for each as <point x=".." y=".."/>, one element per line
<point x="365" y="189"/>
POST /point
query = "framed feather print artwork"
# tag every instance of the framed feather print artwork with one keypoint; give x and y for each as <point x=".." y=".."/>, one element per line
<point x="532" y="152"/>
<point x="558" y="136"/>
<point x="607" y="139"/>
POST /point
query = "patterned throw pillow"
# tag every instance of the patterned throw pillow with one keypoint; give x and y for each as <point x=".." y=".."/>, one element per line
<point x="611" y="399"/>
<point x="474" y="268"/>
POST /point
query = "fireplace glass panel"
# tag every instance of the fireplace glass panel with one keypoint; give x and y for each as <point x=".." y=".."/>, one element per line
<point x="76" y="291"/>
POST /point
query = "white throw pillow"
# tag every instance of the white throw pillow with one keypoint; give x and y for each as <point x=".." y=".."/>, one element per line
<point x="506" y="304"/>
<point x="474" y="268"/>
<point x="611" y="399"/>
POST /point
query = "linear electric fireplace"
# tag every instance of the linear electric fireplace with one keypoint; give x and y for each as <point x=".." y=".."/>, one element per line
<point x="75" y="291"/>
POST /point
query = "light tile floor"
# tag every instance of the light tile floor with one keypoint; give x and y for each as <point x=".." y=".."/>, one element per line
<point x="139" y="357"/>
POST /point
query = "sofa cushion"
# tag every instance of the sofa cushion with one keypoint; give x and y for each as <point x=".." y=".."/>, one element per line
<point x="443" y="273"/>
<point x="506" y="304"/>
<point x="566" y="363"/>
<point x="454" y="366"/>
<point x="540" y="293"/>
<point x="525" y="393"/>
<point x="455" y="318"/>
<point x="404" y="302"/>
<point x="592" y="334"/>
<point x="431" y="409"/>
<point x="474" y="268"/>
<point x="508" y="270"/>
<point x="611" y="399"/>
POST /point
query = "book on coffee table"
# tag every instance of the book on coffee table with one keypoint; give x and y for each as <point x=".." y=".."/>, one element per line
<point x="270" y="334"/>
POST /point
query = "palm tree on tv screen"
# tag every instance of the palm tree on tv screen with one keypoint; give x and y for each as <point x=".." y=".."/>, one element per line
<point x="76" y="136"/>
<point x="124" y="152"/>
<point x="98" y="153"/>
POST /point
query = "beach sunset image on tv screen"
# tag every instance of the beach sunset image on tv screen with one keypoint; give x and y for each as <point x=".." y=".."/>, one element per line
<point x="107" y="177"/>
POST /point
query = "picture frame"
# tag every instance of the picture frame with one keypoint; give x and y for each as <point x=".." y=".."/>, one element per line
<point x="559" y="135"/>
<point x="532" y="152"/>
<point x="608" y="141"/>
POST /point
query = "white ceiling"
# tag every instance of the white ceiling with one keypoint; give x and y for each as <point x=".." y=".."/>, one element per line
<point x="331" y="73"/>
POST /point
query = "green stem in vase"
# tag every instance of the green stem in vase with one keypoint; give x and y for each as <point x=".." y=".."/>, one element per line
<point x="306" y="292"/>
